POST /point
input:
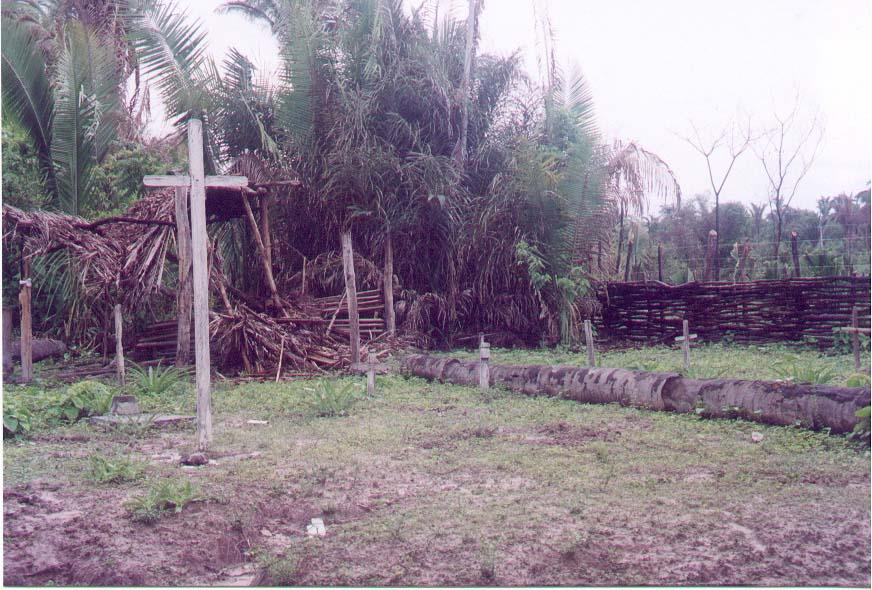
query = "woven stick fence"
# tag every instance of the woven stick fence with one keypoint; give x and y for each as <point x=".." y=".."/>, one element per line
<point x="756" y="311"/>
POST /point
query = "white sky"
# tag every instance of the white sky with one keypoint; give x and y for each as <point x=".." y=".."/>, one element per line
<point x="655" y="66"/>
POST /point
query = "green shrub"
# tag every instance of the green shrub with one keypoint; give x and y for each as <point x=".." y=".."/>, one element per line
<point x="332" y="398"/>
<point x="82" y="399"/>
<point x="16" y="417"/>
<point x="156" y="381"/>
<point x="863" y="428"/>
<point x="112" y="471"/>
<point x="805" y="373"/>
<point x="857" y="380"/>
<point x="161" y="499"/>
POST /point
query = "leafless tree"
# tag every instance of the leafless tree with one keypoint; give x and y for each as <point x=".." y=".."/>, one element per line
<point x="787" y="151"/>
<point x="734" y="139"/>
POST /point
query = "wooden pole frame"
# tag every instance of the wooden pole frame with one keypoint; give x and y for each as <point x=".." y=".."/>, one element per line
<point x="119" y="344"/>
<point x="24" y="297"/>
<point x="185" y="294"/>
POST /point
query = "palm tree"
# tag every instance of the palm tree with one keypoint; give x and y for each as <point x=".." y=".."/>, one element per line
<point x="825" y="210"/>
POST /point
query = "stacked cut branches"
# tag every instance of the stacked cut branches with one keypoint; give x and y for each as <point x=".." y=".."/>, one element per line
<point x="757" y="311"/>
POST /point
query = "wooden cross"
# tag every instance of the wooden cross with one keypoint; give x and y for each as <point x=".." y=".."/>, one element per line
<point x="855" y="330"/>
<point x="685" y="343"/>
<point x="196" y="183"/>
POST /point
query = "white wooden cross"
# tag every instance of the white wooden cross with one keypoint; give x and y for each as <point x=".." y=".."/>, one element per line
<point x="197" y="182"/>
<point x="685" y="343"/>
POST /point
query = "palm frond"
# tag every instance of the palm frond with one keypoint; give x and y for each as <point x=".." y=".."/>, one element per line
<point x="26" y="90"/>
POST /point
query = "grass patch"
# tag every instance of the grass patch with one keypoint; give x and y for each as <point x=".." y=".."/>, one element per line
<point x="162" y="498"/>
<point x="707" y="361"/>
<point x="114" y="470"/>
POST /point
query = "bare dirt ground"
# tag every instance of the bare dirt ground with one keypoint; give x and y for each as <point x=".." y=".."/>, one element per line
<point x="435" y="485"/>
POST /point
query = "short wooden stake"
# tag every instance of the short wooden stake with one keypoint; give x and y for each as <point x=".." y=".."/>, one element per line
<point x="794" y="252"/>
<point x="685" y="344"/>
<point x="119" y="347"/>
<point x="855" y="337"/>
<point x="26" y="324"/>
<point x="370" y="373"/>
<point x="7" y="342"/>
<point x="281" y="357"/>
<point x="483" y="369"/>
<point x="660" y="262"/>
<point x="588" y="342"/>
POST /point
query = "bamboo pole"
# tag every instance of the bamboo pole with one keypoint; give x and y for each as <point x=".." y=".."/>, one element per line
<point x="351" y="291"/>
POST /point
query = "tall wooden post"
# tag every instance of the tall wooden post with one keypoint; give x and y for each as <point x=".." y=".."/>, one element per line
<point x="26" y="322"/>
<point x="351" y="295"/>
<point x="390" y="313"/>
<point x="794" y="250"/>
<point x="483" y="369"/>
<point x="629" y="260"/>
<point x="185" y="294"/>
<point x="855" y="337"/>
<point x="660" y="262"/>
<point x="588" y="342"/>
<point x="199" y="249"/>
<point x="119" y="346"/>
<point x="7" y="342"/>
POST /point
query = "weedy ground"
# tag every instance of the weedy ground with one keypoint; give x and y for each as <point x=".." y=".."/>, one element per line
<point x="438" y="484"/>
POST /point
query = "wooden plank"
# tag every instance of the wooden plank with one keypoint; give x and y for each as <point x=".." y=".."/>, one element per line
<point x="199" y="248"/>
<point x="153" y="181"/>
<point x="185" y="294"/>
<point x="351" y="291"/>
<point x="119" y="344"/>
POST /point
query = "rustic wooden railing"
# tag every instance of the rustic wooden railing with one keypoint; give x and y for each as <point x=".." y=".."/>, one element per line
<point x="756" y="311"/>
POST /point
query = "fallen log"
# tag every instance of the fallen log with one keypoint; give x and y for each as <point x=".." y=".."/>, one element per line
<point x="43" y="348"/>
<point x="769" y="402"/>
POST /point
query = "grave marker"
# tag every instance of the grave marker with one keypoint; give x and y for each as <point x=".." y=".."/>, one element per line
<point x="483" y="370"/>
<point x="685" y="344"/>
<point x="197" y="182"/>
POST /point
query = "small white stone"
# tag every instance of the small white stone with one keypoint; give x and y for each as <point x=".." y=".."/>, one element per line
<point x="756" y="437"/>
<point x="265" y="532"/>
<point x="317" y="528"/>
<point x="257" y="422"/>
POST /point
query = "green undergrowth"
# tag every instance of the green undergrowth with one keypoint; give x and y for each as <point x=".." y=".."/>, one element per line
<point x="707" y="361"/>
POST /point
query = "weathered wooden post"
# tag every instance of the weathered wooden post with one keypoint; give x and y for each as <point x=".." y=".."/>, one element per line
<point x="390" y="313"/>
<point x="855" y="336"/>
<point x="7" y="342"/>
<point x="351" y="293"/>
<point x="794" y="251"/>
<point x="185" y="294"/>
<point x="660" y="262"/>
<point x="370" y="373"/>
<point x="588" y="343"/>
<point x="26" y="321"/>
<point x="483" y="369"/>
<point x="119" y="346"/>
<point x="711" y="253"/>
<point x="199" y="250"/>
<point x="685" y="344"/>
<point x="629" y="260"/>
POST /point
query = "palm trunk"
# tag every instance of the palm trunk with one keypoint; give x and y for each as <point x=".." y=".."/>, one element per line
<point x="460" y="149"/>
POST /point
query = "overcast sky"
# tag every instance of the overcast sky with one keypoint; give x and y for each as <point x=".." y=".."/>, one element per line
<point x="656" y="66"/>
